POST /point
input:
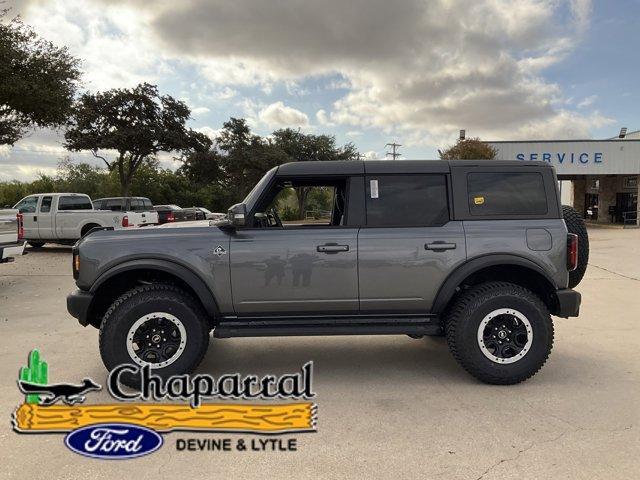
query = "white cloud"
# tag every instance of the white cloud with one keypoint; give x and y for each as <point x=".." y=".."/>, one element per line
<point x="200" y="110"/>
<point x="417" y="67"/>
<point x="587" y="101"/>
<point x="279" y="115"/>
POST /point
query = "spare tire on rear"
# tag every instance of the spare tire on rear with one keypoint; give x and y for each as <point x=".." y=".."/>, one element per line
<point x="575" y="224"/>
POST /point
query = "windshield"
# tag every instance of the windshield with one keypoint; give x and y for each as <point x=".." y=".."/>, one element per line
<point x="252" y="198"/>
<point x="205" y="210"/>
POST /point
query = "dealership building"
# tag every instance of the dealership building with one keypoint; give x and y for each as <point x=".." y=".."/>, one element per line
<point x="600" y="178"/>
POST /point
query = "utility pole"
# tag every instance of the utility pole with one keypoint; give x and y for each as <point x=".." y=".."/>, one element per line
<point x="358" y="156"/>
<point x="394" y="153"/>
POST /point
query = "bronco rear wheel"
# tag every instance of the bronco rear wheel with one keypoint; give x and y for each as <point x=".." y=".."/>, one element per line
<point x="157" y="325"/>
<point x="501" y="333"/>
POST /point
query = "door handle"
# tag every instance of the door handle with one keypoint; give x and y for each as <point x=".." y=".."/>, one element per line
<point x="439" y="246"/>
<point x="332" y="248"/>
<point x="35" y="218"/>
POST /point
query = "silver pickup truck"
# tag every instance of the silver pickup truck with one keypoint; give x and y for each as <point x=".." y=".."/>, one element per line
<point x="480" y="251"/>
<point x="64" y="217"/>
<point x="11" y="235"/>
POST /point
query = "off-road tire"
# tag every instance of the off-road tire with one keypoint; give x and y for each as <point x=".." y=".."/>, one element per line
<point x="463" y="321"/>
<point x="575" y="224"/>
<point x="35" y="244"/>
<point x="145" y="299"/>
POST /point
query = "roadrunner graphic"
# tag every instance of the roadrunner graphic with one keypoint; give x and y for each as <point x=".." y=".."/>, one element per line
<point x="69" y="393"/>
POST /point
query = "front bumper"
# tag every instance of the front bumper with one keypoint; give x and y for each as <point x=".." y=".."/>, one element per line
<point x="7" y="252"/>
<point x="568" y="303"/>
<point x="78" y="304"/>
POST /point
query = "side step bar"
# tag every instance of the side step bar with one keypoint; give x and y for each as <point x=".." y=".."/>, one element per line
<point x="309" y="326"/>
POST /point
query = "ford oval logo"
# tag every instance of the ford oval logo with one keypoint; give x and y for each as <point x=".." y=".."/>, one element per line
<point x="113" y="441"/>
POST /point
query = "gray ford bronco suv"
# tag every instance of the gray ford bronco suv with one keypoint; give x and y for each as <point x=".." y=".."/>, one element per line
<point x="479" y="251"/>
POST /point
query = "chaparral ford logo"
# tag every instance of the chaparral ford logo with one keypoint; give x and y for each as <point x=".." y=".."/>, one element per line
<point x="132" y="426"/>
<point x="113" y="441"/>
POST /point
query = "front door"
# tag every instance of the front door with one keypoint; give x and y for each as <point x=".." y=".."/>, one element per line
<point x="409" y="246"/>
<point x="297" y="255"/>
<point x="28" y="207"/>
<point x="280" y="271"/>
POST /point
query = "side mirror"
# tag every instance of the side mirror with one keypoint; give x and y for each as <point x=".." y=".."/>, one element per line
<point x="237" y="215"/>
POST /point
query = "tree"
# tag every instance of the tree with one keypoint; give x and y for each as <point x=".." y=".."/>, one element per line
<point x="39" y="81"/>
<point x="137" y="123"/>
<point x="469" y="149"/>
<point x="299" y="146"/>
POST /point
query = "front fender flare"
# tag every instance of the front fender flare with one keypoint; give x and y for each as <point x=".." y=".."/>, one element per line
<point x="194" y="281"/>
<point x="448" y="288"/>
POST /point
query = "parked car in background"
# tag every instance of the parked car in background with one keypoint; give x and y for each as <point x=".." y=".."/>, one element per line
<point x="63" y="218"/>
<point x="209" y="215"/>
<point x="11" y="235"/>
<point x="195" y="213"/>
<point x="170" y="213"/>
<point x="139" y="209"/>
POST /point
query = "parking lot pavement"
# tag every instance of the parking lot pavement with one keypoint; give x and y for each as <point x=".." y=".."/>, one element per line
<point x="388" y="406"/>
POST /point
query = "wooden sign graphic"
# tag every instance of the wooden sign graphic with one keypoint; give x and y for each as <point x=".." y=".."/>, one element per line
<point x="222" y="417"/>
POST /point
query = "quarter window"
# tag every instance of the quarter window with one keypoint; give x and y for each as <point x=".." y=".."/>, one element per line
<point x="406" y="200"/>
<point x="493" y="193"/>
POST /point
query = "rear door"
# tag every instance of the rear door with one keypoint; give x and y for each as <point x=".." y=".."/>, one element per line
<point x="409" y="245"/>
<point x="46" y="226"/>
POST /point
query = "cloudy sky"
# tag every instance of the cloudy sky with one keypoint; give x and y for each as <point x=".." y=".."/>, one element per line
<point x="368" y="71"/>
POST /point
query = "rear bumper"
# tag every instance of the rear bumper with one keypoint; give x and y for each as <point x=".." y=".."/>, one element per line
<point x="8" y="251"/>
<point x="568" y="303"/>
<point x="78" y="303"/>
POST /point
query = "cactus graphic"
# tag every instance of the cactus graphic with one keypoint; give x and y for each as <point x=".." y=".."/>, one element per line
<point x="36" y="372"/>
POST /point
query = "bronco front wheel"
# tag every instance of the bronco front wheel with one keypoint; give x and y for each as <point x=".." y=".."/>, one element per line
<point x="157" y="325"/>
<point x="501" y="333"/>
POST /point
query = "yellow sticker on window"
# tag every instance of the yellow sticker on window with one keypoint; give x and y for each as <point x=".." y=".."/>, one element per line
<point x="478" y="200"/>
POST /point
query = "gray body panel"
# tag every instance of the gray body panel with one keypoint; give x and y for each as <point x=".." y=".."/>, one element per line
<point x="192" y="248"/>
<point x="397" y="273"/>
<point x="282" y="271"/>
<point x="510" y="237"/>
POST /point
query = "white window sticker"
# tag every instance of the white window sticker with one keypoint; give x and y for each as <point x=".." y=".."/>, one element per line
<point x="374" y="188"/>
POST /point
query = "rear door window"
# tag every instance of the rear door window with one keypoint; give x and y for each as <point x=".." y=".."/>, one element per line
<point x="45" y="206"/>
<point x="513" y="193"/>
<point x="406" y="200"/>
<point x="74" y="202"/>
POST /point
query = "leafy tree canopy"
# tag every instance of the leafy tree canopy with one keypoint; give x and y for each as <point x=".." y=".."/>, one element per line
<point x="137" y="123"/>
<point x="469" y="149"/>
<point x="38" y="81"/>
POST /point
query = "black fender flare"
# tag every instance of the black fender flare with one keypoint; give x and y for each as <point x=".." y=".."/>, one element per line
<point x="194" y="281"/>
<point x="448" y="288"/>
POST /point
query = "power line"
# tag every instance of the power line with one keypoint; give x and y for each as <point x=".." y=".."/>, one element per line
<point x="394" y="153"/>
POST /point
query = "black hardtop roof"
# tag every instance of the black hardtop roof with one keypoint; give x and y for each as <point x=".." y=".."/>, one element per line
<point x="356" y="167"/>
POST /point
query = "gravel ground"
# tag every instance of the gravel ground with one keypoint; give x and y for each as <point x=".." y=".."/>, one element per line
<point x="388" y="406"/>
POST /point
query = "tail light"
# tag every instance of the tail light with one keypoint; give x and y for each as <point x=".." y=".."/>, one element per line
<point x="76" y="263"/>
<point x="20" y="226"/>
<point x="125" y="221"/>
<point x="171" y="218"/>
<point x="572" y="251"/>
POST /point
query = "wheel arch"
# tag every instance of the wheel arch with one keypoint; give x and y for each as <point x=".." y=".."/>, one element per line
<point x="505" y="267"/>
<point x="120" y="278"/>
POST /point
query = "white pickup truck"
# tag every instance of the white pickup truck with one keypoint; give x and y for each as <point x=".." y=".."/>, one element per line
<point x="64" y="218"/>
<point x="11" y="242"/>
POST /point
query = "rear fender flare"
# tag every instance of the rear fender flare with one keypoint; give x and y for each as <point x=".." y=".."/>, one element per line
<point x="448" y="288"/>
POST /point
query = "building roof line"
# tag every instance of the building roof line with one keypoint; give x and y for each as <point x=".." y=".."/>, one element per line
<point x="566" y="141"/>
